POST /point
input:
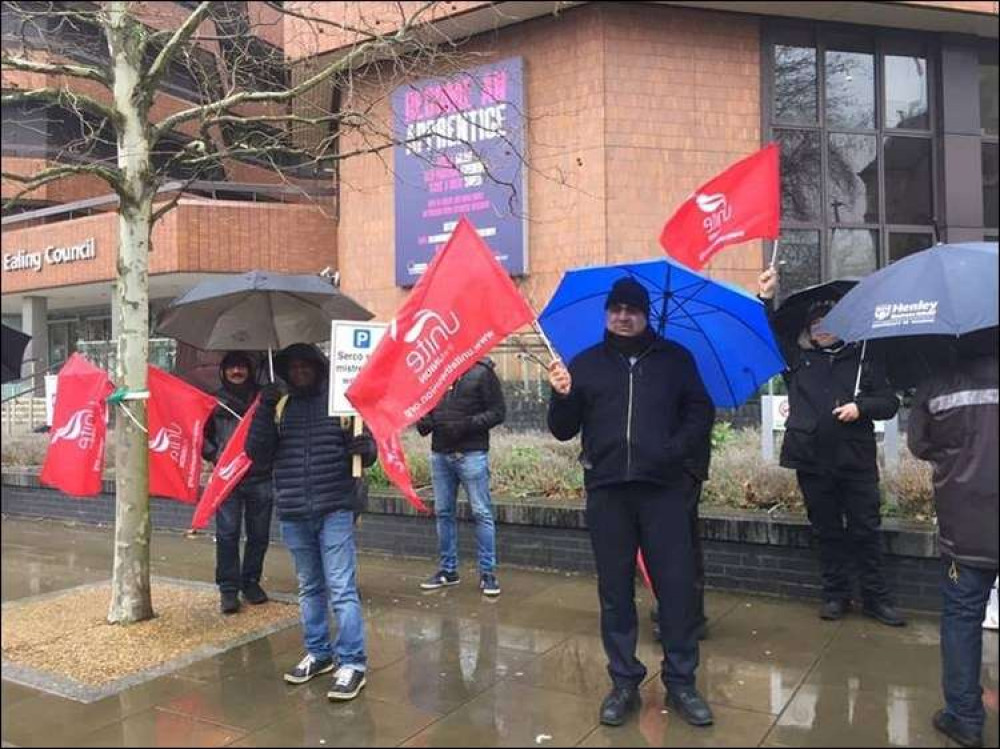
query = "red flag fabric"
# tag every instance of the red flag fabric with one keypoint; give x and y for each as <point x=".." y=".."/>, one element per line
<point x="232" y="465"/>
<point x="176" y="420"/>
<point x="74" y="460"/>
<point x="741" y="204"/>
<point x="463" y="305"/>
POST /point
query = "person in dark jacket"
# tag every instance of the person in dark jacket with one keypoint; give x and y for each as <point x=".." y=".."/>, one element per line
<point x="315" y="496"/>
<point x="250" y="502"/>
<point x="460" y="427"/>
<point x="830" y="443"/>
<point x="642" y="411"/>
<point x="954" y="425"/>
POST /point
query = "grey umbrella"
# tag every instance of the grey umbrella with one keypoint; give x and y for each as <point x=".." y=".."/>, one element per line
<point x="257" y="311"/>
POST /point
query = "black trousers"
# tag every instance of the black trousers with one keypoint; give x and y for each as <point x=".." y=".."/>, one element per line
<point x="250" y="504"/>
<point x="845" y="517"/>
<point x="622" y="519"/>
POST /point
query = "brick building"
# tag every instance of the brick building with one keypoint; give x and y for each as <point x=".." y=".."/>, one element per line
<point x="886" y="114"/>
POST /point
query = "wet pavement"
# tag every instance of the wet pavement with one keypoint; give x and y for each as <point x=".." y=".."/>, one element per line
<point x="450" y="668"/>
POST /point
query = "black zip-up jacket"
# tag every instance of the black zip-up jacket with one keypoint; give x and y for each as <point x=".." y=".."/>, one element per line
<point x="221" y="425"/>
<point x="820" y="380"/>
<point x="309" y="449"/>
<point x="954" y="423"/>
<point x="462" y="420"/>
<point x="645" y="421"/>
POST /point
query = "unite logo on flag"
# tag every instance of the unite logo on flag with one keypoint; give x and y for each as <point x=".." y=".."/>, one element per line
<point x="169" y="439"/>
<point x="428" y="349"/>
<point x="80" y="428"/>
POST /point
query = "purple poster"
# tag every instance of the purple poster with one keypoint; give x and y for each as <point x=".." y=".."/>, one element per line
<point x="460" y="148"/>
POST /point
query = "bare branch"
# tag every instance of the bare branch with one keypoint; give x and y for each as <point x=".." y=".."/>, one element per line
<point x="54" y="173"/>
<point x="60" y="96"/>
<point x="75" y="71"/>
<point x="180" y="36"/>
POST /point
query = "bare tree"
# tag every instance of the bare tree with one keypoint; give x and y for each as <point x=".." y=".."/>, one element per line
<point x="105" y="66"/>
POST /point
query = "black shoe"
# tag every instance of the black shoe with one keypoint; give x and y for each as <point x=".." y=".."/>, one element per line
<point x="308" y="668"/>
<point x="229" y="602"/>
<point x="884" y="612"/>
<point x="347" y="682"/>
<point x="950" y="728"/>
<point x="834" y="609"/>
<point x="619" y="704"/>
<point x="440" y="579"/>
<point x="254" y="594"/>
<point x="689" y="704"/>
<point x="489" y="585"/>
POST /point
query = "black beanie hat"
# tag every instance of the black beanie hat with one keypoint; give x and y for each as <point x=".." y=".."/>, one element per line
<point x="631" y="292"/>
<point x="237" y="357"/>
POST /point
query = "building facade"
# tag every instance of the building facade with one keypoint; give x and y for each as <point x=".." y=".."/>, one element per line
<point x="886" y="115"/>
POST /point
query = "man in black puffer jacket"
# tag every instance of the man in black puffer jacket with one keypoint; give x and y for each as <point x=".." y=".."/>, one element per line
<point x="830" y="444"/>
<point x="315" y="496"/>
<point x="643" y="412"/>
<point x="250" y="501"/>
<point x="460" y="444"/>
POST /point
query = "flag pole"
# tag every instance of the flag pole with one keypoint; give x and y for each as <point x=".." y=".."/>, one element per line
<point x="270" y="362"/>
<point x="774" y="254"/>
<point x="545" y="339"/>
<point x="861" y="363"/>
<point x="357" y="429"/>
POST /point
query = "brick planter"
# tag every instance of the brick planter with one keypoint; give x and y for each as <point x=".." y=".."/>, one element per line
<point x="744" y="551"/>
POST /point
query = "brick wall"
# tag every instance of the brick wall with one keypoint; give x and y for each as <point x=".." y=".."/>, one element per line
<point x="197" y="236"/>
<point x="743" y="552"/>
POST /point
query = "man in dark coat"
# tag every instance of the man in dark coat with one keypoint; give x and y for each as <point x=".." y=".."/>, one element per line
<point x="641" y="408"/>
<point x="316" y="498"/>
<point x="954" y="424"/>
<point x="249" y="503"/>
<point x="460" y="425"/>
<point x="830" y="443"/>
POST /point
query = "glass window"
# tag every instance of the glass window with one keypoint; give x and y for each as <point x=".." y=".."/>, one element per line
<point x="852" y="179"/>
<point x="989" y="82"/>
<point x="850" y="89"/>
<point x="795" y="81"/>
<point x="853" y="253"/>
<point x="902" y="244"/>
<point x="800" y="170"/>
<point x="906" y="104"/>
<point x="990" y="193"/>
<point x="908" y="180"/>
<point x="799" y="260"/>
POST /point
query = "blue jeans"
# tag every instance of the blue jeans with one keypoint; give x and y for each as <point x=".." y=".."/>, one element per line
<point x="471" y="470"/>
<point x="965" y="591"/>
<point x="324" y="554"/>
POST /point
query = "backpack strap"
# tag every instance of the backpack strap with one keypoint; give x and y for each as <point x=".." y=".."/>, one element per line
<point x="279" y="409"/>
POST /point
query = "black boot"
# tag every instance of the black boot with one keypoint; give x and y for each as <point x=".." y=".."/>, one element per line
<point x="884" y="612"/>
<point x="834" y="609"/>
<point x="229" y="602"/>
<point x="254" y="594"/>
<point x="690" y="705"/>
<point x="619" y="704"/>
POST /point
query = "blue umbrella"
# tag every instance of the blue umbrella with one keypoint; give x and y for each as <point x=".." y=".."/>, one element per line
<point x="950" y="289"/>
<point x="723" y="327"/>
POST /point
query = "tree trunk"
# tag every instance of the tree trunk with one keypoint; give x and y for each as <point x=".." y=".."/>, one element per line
<point x="130" y="598"/>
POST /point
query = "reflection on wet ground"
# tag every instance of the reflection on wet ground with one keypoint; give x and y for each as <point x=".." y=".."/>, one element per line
<point x="451" y="668"/>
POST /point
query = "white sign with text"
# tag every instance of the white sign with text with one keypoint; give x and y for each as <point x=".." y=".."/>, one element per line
<point x="351" y="345"/>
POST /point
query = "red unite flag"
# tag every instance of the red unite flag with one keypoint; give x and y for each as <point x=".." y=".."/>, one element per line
<point x="74" y="460"/>
<point x="741" y="204"/>
<point x="176" y="419"/>
<point x="232" y="465"/>
<point x="462" y="307"/>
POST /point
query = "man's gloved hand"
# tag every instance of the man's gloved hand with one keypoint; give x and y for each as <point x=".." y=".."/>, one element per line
<point x="270" y="394"/>
<point x="359" y="445"/>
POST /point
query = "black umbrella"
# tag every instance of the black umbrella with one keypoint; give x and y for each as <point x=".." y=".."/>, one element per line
<point x="13" y="344"/>
<point x="257" y="311"/>
<point x="790" y="317"/>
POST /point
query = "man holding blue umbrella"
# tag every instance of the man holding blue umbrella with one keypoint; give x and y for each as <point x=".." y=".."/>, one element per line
<point x="642" y="409"/>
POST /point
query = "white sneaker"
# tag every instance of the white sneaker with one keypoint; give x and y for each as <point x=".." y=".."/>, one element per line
<point x="990" y="622"/>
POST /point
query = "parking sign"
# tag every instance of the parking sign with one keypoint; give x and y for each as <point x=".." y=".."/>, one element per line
<point x="351" y="345"/>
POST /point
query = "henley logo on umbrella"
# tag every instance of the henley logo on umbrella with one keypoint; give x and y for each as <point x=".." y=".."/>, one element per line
<point x="75" y="457"/>
<point x="740" y="204"/>
<point x="177" y="414"/>
<point x="917" y="313"/>
<point x="229" y="471"/>
<point x="439" y="333"/>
